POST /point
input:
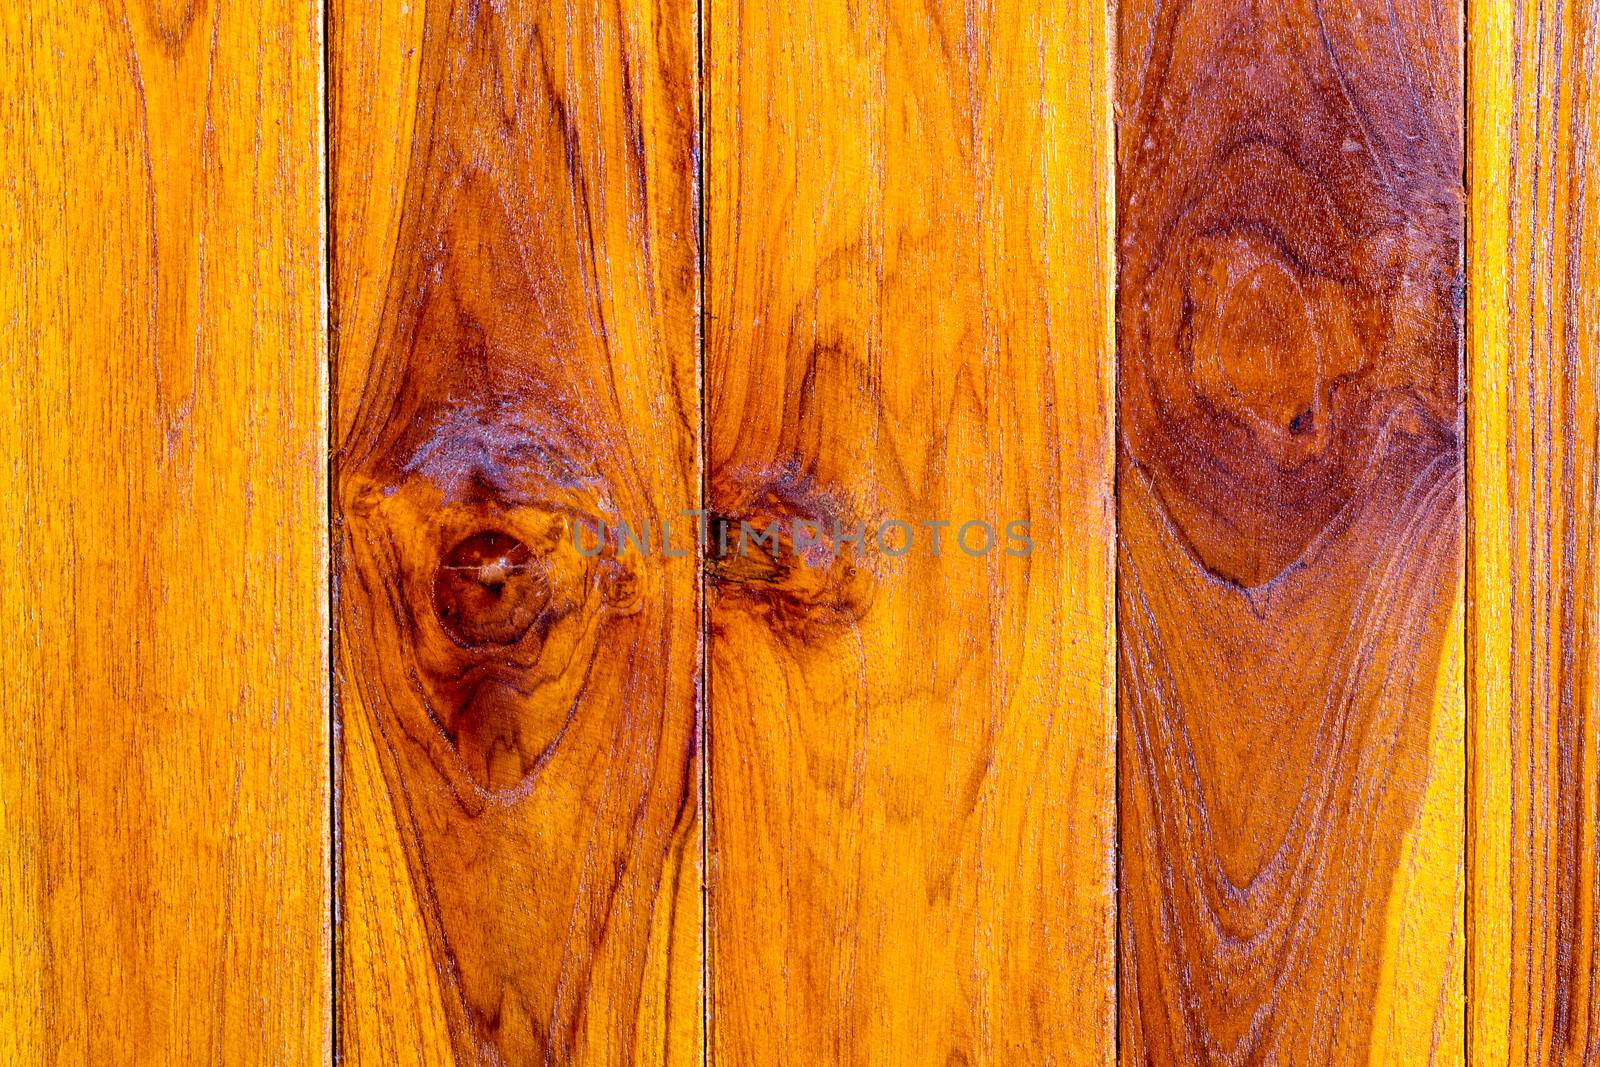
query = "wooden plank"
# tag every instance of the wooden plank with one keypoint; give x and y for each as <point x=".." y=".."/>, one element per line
<point x="910" y="758"/>
<point x="1290" y="514"/>
<point x="1535" y="205"/>
<point x="515" y="291"/>
<point x="164" y="787"/>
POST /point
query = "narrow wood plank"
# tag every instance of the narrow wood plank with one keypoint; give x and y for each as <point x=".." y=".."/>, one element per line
<point x="1535" y="326"/>
<point x="164" y="786"/>
<point x="911" y="757"/>
<point x="515" y="291"/>
<point x="1290" y="514"/>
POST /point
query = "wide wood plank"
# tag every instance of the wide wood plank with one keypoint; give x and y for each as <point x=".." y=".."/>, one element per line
<point x="1291" y="531"/>
<point x="164" y="785"/>
<point x="1535" y="336"/>
<point x="910" y="752"/>
<point x="516" y="302"/>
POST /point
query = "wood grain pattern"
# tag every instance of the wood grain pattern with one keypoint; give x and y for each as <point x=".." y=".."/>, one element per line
<point x="1290" y="531"/>
<point x="164" y="787"/>
<point x="1535" y="330"/>
<point x="910" y="757"/>
<point x="515" y="290"/>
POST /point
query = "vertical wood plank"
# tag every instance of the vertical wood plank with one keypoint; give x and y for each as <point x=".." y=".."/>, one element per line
<point x="164" y="786"/>
<point x="1535" y="313"/>
<point x="911" y="756"/>
<point x="516" y="302"/>
<point x="1290" y="531"/>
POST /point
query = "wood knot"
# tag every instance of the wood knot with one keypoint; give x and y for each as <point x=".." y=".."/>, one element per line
<point x="479" y="591"/>
<point x="489" y="590"/>
<point x="1284" y="347"/>
<point x="794" y="555"/>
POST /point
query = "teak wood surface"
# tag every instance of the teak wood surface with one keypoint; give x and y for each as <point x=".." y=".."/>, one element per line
<point x="910" y="759"/>
<point x="165" y="840"/>
<point x="1291" y="531"/>
<point x="1534" y="322"/>
<point x="515" y="298"/>
<point x="339" y="342"/>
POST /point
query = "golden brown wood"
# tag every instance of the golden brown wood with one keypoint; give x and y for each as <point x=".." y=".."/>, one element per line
<point x="515" y="290"/>
<point x="908" y="259"/>
<point x="164" y="887"/>
<point x="1290" y="531"/>
<point x="1535" y="207"/>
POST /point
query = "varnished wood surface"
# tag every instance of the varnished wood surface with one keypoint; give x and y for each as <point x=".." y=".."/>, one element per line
<point x="1290" y="523"/>
<point x="515" y="299"/>
<point x="164" y="785"/>
<point x="908" y="285"/>
<point x="1534" y="316"/>
<point x="913" y="222"/>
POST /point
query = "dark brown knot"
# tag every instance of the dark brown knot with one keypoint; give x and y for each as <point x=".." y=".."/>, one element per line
<point x="489" y="590"/>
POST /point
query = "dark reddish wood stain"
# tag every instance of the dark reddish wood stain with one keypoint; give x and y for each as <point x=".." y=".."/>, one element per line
<point x="534" y="370"/>
<point x="1290" y="504"/>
